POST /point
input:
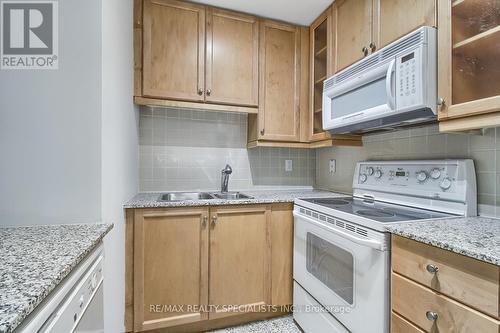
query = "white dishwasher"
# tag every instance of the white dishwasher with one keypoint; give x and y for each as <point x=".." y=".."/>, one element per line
<point x="76" y="305"/>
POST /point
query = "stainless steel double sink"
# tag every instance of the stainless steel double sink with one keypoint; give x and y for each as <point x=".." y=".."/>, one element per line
<point x="183" y="196"/>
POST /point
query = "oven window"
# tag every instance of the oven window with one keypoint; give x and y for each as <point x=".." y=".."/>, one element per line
<point x="365" y="97"/>
<point x="332" y="265"/>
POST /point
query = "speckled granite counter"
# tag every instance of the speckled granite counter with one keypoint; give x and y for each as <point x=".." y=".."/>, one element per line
<point x="150" y="200"/>
<point x="35" y="259"/>
<point x="475" y="237"/>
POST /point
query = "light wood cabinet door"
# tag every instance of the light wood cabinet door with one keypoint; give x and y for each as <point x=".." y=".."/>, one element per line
<point x="232" y="67"/>
<point x="173" y="50"/>
<point x="352" y="25"/>
<point x="170" y="267"/>
<point x="279" y="108"/>
<point x="396" y="18"/>
<point x="239" y="259"/>
<point x="418" y="304"/>
<point x="468" y="66"/>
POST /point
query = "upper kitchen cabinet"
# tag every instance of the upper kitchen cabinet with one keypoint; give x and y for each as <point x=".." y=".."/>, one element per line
<point x="193" y="56"/>
<point x="363" y="26"/>
<point x="174" y="50"/>
<point x="468" y="67"/>
<point x="232" y="72"/>
<point x="279" y="86"/>
<point x="396" y="18"/>
<point x="322" y="67"/>
<point x="352" y="24"/>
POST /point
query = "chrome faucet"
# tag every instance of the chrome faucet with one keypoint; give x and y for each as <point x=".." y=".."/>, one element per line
<point x="224" y="180"/>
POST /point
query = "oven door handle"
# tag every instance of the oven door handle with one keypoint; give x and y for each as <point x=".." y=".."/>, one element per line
<point x="374" y="244"/>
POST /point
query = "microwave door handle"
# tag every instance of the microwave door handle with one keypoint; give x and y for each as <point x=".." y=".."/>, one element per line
<point x="388" y="85"/>
<point x="374" y="244"/>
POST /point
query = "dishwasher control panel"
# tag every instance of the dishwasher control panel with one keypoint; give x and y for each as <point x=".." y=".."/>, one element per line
<point x="73" y="308"/>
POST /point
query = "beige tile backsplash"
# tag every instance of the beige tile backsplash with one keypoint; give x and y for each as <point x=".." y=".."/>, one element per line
<point x="420" y="143"/>
<point x="184" y="150"/>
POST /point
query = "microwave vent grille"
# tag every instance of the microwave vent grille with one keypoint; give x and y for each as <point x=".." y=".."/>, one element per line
<point x="412" y="40"/>
<point x="381" y="56"/>
<point x="356" y="69"/>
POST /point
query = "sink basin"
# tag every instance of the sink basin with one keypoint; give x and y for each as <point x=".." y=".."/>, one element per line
<point x="231" y="196"/>
<point x="181" y="196"/>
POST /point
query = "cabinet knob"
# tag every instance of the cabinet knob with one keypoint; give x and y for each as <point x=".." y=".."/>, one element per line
<point x="373" y="47"/>
<point x="200" y="91"/>
<point x="431" y="315"/>
<point x="262" y="131"/>
<point x="214" y="220"/>
<point x="441" y="101"/>
<point x="204" y="221"/>
<point x="209" y="92"/>
<point x="364" y="50"/>
<point x="432" y="268"/>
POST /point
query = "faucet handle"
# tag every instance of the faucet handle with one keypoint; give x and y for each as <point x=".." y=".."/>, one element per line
<point x="227" y="170"/>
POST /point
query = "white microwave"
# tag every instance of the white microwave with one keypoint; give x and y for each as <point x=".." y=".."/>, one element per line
<point x="393" y="87"/>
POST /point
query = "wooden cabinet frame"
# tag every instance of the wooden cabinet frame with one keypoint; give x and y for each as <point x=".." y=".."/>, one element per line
<point x="276" y="271"/>
<point x="466" y="116"/>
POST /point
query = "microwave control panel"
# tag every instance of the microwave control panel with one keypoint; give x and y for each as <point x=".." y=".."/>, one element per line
<point x="408" y="79"/>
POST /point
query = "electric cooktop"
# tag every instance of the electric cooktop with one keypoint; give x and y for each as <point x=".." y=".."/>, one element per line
<point x="375" y="210"/>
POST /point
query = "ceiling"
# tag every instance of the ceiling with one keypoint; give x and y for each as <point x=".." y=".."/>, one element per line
<point x="302" y="12"/>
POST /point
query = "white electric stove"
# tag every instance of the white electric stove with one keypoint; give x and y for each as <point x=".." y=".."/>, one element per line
<point x="342" y="249"/>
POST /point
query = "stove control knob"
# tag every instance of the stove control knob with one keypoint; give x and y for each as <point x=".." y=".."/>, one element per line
<point x="435" y="173"/>
<point x="422" y="176"/>
<point x="445" y="184"/>
<point x="369" y="171"/>
<point x="363" y="178"/>
<point x="378" y="173"/>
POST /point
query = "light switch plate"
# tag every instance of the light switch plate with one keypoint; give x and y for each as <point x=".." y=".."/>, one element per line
<point x="288" y="165"/>
<point x="333" y="166"/>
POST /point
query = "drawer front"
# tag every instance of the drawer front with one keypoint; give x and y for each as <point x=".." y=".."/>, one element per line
<point x="413" y="301"/>
<point x="401" y="325"/>
<point x="467" y="280"/>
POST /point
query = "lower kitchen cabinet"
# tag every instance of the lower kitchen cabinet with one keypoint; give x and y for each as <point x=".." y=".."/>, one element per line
<point x="435" y="290"/>
<point x="170" y="267"/>
<point x="210" y="259"/>
<point x="239" y="259"/>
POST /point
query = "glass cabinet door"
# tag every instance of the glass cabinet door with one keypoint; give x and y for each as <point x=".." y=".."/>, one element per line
<point x="469" y="53"/>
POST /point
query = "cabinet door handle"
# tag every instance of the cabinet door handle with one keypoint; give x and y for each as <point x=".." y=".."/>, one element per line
<point x="200" y="91"/>
<point x="214" y="221"/>
<point x="262" y="131"/>
<point x="364" y="50"/>
<point x="431" y="315"/>
<point x="209" y="92"/>
<point x="432" y="268"/>
<point x="373" y="47"/>
<point x="204" y="221"/>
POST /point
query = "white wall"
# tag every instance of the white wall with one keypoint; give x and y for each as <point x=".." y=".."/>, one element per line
<point x="119" y="148"/>
<point x="50" y="128"/>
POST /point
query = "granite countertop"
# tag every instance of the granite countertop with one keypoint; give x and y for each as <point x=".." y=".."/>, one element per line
<point x="150" y="200"/>
<point x="475" y="237"/>
<point x="35" y="259"/>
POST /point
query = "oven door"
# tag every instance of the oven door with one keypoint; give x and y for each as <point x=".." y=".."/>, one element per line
<point x="347" y="274"/>
<point x="361" y="98"/>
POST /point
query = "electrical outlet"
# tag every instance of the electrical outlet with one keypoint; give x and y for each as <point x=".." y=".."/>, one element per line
<point x="288" y="165"/>
<point x="333" y="166"/>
